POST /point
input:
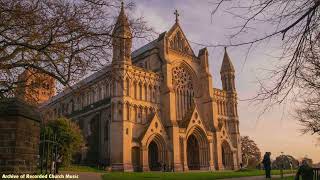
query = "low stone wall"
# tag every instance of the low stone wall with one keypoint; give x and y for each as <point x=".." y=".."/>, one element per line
<point x="19" y="137"/>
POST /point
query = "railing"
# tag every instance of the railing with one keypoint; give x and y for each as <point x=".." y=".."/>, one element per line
<point x="316" y="173"/>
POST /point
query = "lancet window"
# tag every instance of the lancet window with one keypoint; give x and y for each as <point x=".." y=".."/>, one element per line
<point x="179" y="43"/>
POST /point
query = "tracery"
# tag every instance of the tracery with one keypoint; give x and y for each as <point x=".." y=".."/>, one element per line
<point x="182" y="83"/>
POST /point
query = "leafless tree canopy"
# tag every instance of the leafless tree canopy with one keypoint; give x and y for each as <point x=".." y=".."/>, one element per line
<point x="296" y="24"/>
<point x="64" y="39"/>
<point x="308" y="112"/>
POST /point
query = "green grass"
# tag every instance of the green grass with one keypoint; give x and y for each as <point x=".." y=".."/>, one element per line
<point x="285" y="178"/>
<point x="78" y="168"/>
<point x="185" y="176"/>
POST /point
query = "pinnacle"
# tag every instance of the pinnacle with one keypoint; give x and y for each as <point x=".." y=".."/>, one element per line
<point x="227" y="65"/>
<point x="122" y="24"/>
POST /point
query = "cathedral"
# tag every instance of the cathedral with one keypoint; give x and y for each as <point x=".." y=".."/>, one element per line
<point x="155" y="107"/>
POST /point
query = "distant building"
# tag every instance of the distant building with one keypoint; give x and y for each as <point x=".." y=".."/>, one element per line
<point x="34" y="87"/>
<point x="317" y="165"/>
<point x="155" y="106"/>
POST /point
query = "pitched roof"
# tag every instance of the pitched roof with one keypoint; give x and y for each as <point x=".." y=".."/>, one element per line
<point x="177" y="28"/>
<point x="191" y="114"/>
<point x="144" y="48"/>
<point x="155" y="117"/>
<point x="149" y="46"/>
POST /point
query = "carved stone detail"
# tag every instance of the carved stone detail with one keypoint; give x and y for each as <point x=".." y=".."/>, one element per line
<point x="181" y="78"/>
<point x="179" y="43"/>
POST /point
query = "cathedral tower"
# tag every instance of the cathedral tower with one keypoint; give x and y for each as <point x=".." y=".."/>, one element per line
<point x="227" y="73"/>
<point x="228" y="84"/>
<point x="120" y="136"/>
<point x="35" y="87"/>
<point x="122" y="39"/>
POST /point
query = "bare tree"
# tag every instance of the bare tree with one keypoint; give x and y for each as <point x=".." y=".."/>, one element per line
<point x="309" y="115"/>
<point x="296" y="25"/>
<point x="64" y="39"/>
<point x="251" y="154"/>
<point x="308" y="112"/>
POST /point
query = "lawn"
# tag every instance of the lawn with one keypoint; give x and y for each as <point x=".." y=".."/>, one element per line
<point x="286" y="178"/>
<point x="187" y="175"/>
<point x="77" y="168"/>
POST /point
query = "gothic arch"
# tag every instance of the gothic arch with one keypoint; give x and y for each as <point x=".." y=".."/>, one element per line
<point x="127" y="86"/>
<point x="140" y="93"/>
<point x="227" y="155"/>
<point x="157" y="153"/>
<point x="127" y="109"/>
<point x="135" y="113"/>
<point x="198" y="151"/>
<point x="184" y="81"/>
<point x="150" y="92"/>
<point x="139" y="114"/>
<point x="183" y="64"/>
<point x="135" y="89"/>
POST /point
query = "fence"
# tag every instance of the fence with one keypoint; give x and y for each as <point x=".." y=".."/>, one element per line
<point x="316" y="173"/>
<point x="48" y="152"/>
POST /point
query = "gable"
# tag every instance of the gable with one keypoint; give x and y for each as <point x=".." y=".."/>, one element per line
<point x="192" y="119"/>
<point x="178" y="41"/>
<point x="195" y="119"/>
<point x="155" y="126"/>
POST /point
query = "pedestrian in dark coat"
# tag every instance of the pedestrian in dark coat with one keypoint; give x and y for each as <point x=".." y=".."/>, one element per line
<point x="267" y="164"/>
<point x="305" y="171"/>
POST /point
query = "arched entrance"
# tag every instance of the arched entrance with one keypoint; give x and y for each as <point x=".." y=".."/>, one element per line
<point x="135" y="155"/>
<point x="92" y="156"/>
<point x="153" y="154"/>
<point x="193" y="153"/>
<point x="156" y="153"/>
<point x="198" y="156"/>
<point x="227" y="155"/>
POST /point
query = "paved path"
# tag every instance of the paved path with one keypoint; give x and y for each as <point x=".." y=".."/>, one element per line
<point x="83" y="175"/>
<point x="258" y="177"/>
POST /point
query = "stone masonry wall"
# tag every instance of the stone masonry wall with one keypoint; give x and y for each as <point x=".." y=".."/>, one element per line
<point x="19" y="137"/>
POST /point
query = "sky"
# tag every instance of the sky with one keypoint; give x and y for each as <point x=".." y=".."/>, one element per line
<point x="275" y="130"/>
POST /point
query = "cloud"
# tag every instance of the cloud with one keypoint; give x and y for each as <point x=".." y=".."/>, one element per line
<point x="274" y="131"/>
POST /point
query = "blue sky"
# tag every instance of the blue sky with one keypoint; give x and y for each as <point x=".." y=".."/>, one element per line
<point x="275" y="130"/>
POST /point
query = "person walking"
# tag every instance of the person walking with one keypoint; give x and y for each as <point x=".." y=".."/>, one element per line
<point x="305" y="171"/>
<point x="58" y="164"/>
<point x="267" y="164"/>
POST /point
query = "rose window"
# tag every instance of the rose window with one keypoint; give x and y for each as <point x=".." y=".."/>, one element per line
<point x="181" y="79"/>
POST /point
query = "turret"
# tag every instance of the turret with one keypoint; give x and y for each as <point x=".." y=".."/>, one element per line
<point x="203" y="56"/>
<point x="122" y="39"/>
<point x="227" y="73"/>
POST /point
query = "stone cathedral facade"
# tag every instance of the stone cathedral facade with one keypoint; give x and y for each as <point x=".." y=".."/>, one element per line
<point x="155" y="106"/>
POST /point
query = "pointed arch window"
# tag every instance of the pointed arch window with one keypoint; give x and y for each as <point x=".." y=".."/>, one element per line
<point x="127" y="87"/>
<point x="135" y="90"/>
<point x="140" y="91"/>
<point x="183" y="86"/>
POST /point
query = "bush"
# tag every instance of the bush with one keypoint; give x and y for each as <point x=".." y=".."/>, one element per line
<point x="67" y="134"/>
